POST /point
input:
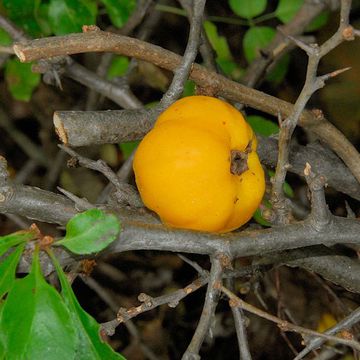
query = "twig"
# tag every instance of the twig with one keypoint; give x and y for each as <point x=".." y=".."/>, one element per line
<point x="312" y="84"/>
<point x="81" y="204"/>
<point x="283" y="324"/>
<point x="346" y="323"/>
<point x="240" y="326"/>
<point x="171" y="299"/>
<point x="182" y="72"/>
<point x="125" y="193"/>
<point x="102" y="41"/>
<point x="280" y="44"/>
<point x="208" y="312"/>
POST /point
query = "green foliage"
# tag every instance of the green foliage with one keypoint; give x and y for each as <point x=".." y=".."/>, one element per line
<point x="22" y="13"/>
<point x="127" y="148"/>
<point x="67" y="16"/>
<point x="255" y="39"/>
<point x="90" y="232"/>
<point x="320" y="21"/>
<point x="90" y="345"/>
<point x="19" y="237"/>
<point x="288" y="191"/>
<point x="248" y="8"/>
<point x="35" y="323"/>
<point x="278" y="73"/>
<point x="20" y="79"/>
<point x="219" y="43"/>
<point x="287" y="9"/>
<point x="8" y="270"/>
<point x="119" y="10"/>
<point x="118" y="67"/>
<point x="189" y="88"/>
<point x="5" y="38"/>
<point x="262" y="126"/>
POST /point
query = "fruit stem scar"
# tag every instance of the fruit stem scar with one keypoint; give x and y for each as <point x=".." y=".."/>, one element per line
<point x="238" y="160"/>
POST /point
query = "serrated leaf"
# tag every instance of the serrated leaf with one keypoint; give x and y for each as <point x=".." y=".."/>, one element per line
<point x="20" y="79"/>
<point x="255" y="39"/>
<point x="8" y="270"/>
<point x="91" y="345"/>
<point x="7" y="241"/>
<point x="287" y="9"/>
<point x="248" y="8"/>
<point x="67" y="16"/>
<point x="127" y="148"/>
<point x="5" y="38"/>
<point x="35" y="322"/>
<point x="119" y="11"/>
<point x="278" y="73"/>
<point x="118" y="67"/>
<point x="262" y="126"/>
<point x="22" y="13"/>
<point x="318" y="22"/>
<point x="90" y="232"/>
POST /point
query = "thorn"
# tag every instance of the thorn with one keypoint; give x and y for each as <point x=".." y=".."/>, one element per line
<point x="335" y="73"/>
<point x="279" y="119"/>
<point x="307" y="170"/>
<point x="308" y="48"/>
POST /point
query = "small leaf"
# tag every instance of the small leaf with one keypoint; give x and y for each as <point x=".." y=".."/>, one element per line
<point x="6" y="242"/>
<point x="42" y="17"/>
<point x="219" y="43"/>
<point x="262" y="126"/>
<point x="320" y="21"/>
<point x="67" y="16"/>
<point x="119" y="11"/>
<point x="248" y="8"/>
<point x="91" y="345"/>
<point x="278" y="73"/>
<point x="127" y="148"/>
<point x="118" y="67"/>
<point x="255" y="39"/>
<point x="259" y="218"/>
<point x="90" y="231"/>
<point x="8" y="270"/>
<point x="5" y="38"/>
<point x="22" y="13"/>
<point x="287" y="9"/>
<point x="20" y="79"/>
<point x="189" y="88"/>
<point x="35" y="323"/>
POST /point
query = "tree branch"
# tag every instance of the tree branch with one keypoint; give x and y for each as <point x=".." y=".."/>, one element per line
<point x="106" y="42"/>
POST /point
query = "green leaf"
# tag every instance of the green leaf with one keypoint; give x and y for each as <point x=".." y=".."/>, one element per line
<point x="5" y="38"/>
<point x="248" y="8"/>
<point x="20" y="79"/>
<point x="90" y="231"/>
<point x="6" y="242"/>
<point x="127" y="148"/>
<point x="91" y="345"/>
<point x="278" y="73"/>
<point x="68" y="16"/>
<point x="255" y="39"/>
<point x="259" y="219"/>
<point x="22" y="13"/>
<point x="189" y="88"/>
<point x="119" y="11"/>
<point x="118" y="67"/>
<point x="320" y="21"/>
<point x="35" y="322"/>
<point x="8" y="270"/>
<point x="287" y="9"/>
<point x="219" y="43"/>
<point x="42" y="17"/>
<point x="262" y="126"/>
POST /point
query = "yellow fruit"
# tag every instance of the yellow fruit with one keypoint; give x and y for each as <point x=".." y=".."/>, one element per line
<point x="198" y="168"/>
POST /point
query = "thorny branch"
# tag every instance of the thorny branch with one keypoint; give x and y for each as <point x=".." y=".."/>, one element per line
<point x="102" y="42"/>
<point x="312" y="84"/>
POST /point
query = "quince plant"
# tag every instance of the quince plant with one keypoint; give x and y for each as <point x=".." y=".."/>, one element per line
<point x="198" y="167"/>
